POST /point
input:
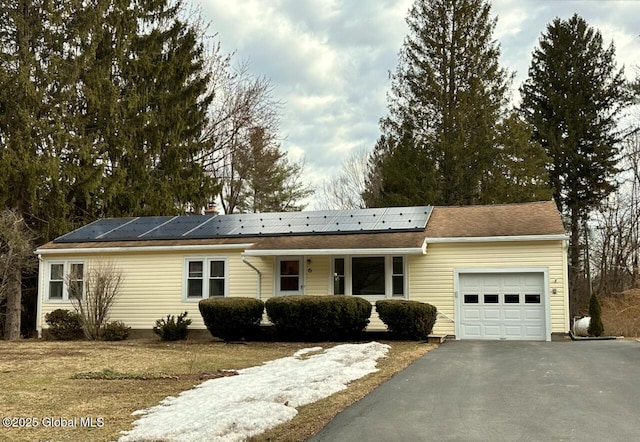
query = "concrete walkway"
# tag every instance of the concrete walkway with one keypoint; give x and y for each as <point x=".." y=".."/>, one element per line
<point x="504" y="391"/>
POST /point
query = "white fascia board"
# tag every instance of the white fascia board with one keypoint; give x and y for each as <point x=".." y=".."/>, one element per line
<point x="319" y="252"/>
<point x="462" y="239"/>
<point x="134" y="249"/>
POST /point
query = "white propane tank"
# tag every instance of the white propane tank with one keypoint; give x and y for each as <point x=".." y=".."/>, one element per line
<point x="581" y="326"/>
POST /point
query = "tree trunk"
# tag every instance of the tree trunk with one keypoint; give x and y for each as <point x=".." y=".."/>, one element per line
<point x="14" y="305"/>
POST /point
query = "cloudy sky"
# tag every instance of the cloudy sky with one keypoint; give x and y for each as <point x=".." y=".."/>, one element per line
<point x="329" y="59"/>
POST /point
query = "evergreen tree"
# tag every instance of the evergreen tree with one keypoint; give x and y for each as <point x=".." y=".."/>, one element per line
<point x="595" y="312"/>
<point x="573" y="99"/>
<point x="447" y="97"/>
<point x="106" y="105"/>
<point x="27" y="110"/>
<point x="520" y="166"/>
<point x="266" y="180"/>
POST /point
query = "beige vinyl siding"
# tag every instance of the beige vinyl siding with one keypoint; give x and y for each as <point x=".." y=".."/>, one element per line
<point x="317" y="281"/>
<point x="153" y="284"/>
<point x="432" y="276"/>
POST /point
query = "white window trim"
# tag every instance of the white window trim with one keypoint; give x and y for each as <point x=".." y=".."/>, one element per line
<point x="388" y="269"/>
<point x="66" y="268"/>
<point x="301" y="268"/>
<point x="206" y="260"/>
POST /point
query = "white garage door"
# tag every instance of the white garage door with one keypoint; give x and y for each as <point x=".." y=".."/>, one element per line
<point x="502" y="306"/>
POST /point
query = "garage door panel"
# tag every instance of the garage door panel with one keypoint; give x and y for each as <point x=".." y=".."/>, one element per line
<point x="491" y="314"/>
<point x="512" y="314"/>
<point x="513" y="331"/>
<point x="492" y="331"/>
<point x="471" y="314"/>
<point x="533" y="314"/>
<point x="502" y="306"/>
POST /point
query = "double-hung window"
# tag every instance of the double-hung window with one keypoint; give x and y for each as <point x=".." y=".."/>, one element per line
<point x="205" y="278"/>
<point x="65" y="280"/>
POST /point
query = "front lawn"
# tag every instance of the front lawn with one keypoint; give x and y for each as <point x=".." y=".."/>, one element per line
<point x="66" y="387"/>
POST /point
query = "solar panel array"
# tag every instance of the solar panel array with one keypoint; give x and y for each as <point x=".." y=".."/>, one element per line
<point x="252" y="224"/>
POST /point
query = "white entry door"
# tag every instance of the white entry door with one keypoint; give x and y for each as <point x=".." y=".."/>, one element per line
<point x="502" y="306"/>
<point x="290" y="275"/>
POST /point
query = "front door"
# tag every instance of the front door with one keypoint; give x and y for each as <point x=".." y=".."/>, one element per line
<point x="290" y="275"/>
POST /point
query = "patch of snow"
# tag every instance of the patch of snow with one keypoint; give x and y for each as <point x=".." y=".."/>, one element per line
<point x="235" y="408"/>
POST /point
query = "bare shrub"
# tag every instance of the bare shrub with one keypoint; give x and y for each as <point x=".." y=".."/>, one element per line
<point x="102" y="283"/>
<point x="621" y="313"/>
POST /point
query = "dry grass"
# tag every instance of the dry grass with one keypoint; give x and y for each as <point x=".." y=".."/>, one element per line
<point x="621" y="313"/>
<point x="47" y="379"/>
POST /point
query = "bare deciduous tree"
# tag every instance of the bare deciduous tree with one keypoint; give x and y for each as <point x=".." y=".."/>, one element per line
<point x="93" y="299"/>
<point x="16" y="257"/>
<point x="242" y="104"/>
<point x="344" y="190"/>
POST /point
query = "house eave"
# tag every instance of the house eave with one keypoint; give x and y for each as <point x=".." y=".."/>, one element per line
<point x="333" y="252"/>
<point x="129" y="249"/>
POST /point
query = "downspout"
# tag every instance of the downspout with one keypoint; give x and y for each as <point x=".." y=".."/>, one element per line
<point x="244" y="260"/>
<point x="39" y="298"/>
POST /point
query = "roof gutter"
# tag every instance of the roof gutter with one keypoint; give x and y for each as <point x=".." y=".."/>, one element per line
<point x="328" y="252"/>
<point x="464" y="239"/>
<point x="129" y="249"/>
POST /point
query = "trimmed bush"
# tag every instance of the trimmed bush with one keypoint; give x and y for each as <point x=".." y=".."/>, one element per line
<point x="407" y="319"/>
<point x="595" y="311"/>
<point x="171" y="330"/>
<point x="64" y="325"/>
<point x="315" y="318"/>
<point x="115" y="331"/>
<point x="232" y="318"/>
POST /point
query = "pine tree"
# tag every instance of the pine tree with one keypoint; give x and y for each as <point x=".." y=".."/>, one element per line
<point x="268" y="180"/>
<point x="448" y="95"/>
<point x="573" y="98"/>
<point x="27" y="128"/>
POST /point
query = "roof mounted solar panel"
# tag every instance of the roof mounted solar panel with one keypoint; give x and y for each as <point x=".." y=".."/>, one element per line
<point x="253" y="224"/>
<point x="92" y="231"/>
<point x="135" y="229"/>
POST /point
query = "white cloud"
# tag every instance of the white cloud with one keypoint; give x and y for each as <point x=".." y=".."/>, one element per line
<point x="329" y="60"/>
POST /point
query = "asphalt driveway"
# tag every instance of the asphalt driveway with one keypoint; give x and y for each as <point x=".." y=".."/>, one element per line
<point x="504" y="391"/>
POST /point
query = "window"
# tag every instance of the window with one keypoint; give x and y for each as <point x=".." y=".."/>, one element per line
<point x="65" y="280"/>
<point x="397" y="276"/>
<point x="338" y="276"/>
<point x="205" y="278"/>
<point x="491" y="299"/>
<point x="512" y="299"/>
<point x="470" y="299"/>
<point x="532" y="299"/>
<point x="368" y="276"/>
<point x="374" y="277"/>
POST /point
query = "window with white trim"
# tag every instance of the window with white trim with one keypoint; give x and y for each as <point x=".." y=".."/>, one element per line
<point x="373" y="277"/>
<point x="205" y="278"/>
<point x="65" y="279"/>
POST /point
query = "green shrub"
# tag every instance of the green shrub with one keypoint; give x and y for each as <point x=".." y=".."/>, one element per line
<point x="595" y="311"/>
<point x="115" y="331"/>
<point x="171" y="330"/>
<point x="64" y="325"/>
<point x="232" y="318"/>
<point x="316" y="318"/>
<point x="407" y="319"/>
